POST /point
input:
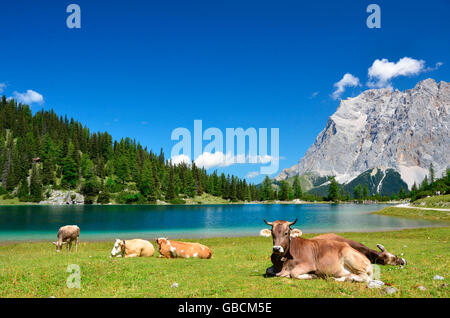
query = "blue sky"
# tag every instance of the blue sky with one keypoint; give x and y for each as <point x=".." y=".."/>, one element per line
<point x="143" y="68"/>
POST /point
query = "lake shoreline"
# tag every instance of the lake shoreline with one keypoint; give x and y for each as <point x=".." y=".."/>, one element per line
<point x="104" y="240"/>
<point x="201" y="204"/>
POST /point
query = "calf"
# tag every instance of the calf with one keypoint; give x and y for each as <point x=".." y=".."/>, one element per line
<point x="132" y="248"/>
<point x="307" y="259"/>
<point x="382" y="258"/>
<point x="173" y="249"/>
<point x="66" y="235"/>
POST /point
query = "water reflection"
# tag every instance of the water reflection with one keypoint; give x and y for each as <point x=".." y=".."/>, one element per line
<point x="41" y="222"/>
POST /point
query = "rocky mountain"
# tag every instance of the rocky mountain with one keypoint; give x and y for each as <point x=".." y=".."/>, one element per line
<point x="404" y="131"/>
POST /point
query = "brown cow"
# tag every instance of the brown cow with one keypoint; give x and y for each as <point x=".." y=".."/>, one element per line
<point x="382" y="258"/>
<point x="307" y="259"/>
<point x="173" y="249"/>
<point x="66" y="235"/>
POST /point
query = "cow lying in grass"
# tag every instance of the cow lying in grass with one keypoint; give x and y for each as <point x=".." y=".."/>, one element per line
<point x="132" y="248"/>
<point x="173" y="249"/>
<point x="307" y="259"/>
<point x="383" y="257"/>
<point x="66" y="235"/>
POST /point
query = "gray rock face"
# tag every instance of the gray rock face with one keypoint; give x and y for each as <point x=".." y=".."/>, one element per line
<point x="58" y="197"/>
<point x="405" y="131"/>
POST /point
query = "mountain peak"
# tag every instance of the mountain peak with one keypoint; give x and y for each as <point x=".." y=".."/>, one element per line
<point x="401" y="130"/>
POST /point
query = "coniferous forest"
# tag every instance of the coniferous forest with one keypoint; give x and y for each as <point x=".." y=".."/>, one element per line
<point x="44" y="152"/>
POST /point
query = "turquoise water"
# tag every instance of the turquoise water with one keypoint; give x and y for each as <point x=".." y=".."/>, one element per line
<point x="19" y="223"/>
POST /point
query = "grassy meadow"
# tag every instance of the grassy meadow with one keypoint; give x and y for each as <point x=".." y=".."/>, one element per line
<point x="236" y="270"/>
<point x="439" y="201"/>
<point x="415" y="213"/>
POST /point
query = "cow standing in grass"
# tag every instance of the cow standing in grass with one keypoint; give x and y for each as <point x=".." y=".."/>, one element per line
<point x="301" y="258"/>
<point x="66" y="235"/>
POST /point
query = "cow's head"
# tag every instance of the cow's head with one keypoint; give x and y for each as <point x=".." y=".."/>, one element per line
<point x="281" y="234"/>
<point x="160" y="241"/>
<point x="268" y="233"/>
<point x="388" y="258"/>
<point x="117" y="249"/>
<point x="59" y="245"/>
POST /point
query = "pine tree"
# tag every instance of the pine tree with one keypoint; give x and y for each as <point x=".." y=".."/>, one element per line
<point x="35" y="185"/>
<point x="69" y="170"/>
<point x="267" y="190"/>
<point x="146" y="184"/>
<point x="284" y="192"/>
<point x="170" y="195"/>
<point x="357" y="192"/>
<point x="297" y="188"/>
<point x="366" y="192"/>
<point x="431" y="173"/>
<point x="333" y="190"/>
<point x="23" y="192"/>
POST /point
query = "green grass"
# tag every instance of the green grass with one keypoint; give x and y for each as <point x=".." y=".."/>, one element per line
<point x="12" y="201"/>
<point x="440" y="201"/>
<point x="236" y="270"/>
<point x="415" y="213"/>
<point x="206" y="198"/>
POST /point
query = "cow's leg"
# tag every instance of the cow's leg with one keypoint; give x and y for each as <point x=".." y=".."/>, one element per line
<point x="69" y="245"/>
<point x="271" y="271"/>
<point x="131" y="255"/>
<point x="306" y="276"/>
<point x="283" y="273"/>
<point x="76" y="245"/>
<point x="354" y="267"/>
<point x="302" y="272"/>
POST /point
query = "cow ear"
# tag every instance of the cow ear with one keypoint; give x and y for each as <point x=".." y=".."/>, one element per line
<point x="54" y="243"/>
<point x="296" y="233"/>
<point x="265" y="233"/>
<point x="64" y="243"/>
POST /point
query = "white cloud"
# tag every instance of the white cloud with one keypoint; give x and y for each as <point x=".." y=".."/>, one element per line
<point x="382" y="71"/>
<point x="252" y="174"/>
<point x="217" y="159"/>
<point x="209" y="160"/>
<point x="180" y="159"/>
<point x="2" y="87"/>
<point x="313" y="95"/>
<point x="29" y="97"/>
<point x="436" y="66"/>
<point x="348" y="80"/>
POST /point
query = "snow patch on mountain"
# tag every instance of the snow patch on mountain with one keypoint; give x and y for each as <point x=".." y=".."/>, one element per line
<point x="404" y="131"/>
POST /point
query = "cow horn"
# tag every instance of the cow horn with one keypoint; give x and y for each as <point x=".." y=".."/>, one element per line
<point x="381" y="247"/>
<point x="268" y="223"/>
<point x="292" y="223"/>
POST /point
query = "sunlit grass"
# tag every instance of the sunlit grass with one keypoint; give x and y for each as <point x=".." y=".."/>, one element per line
<point x="236" y="270"/>
<point x="415" y="213"/>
